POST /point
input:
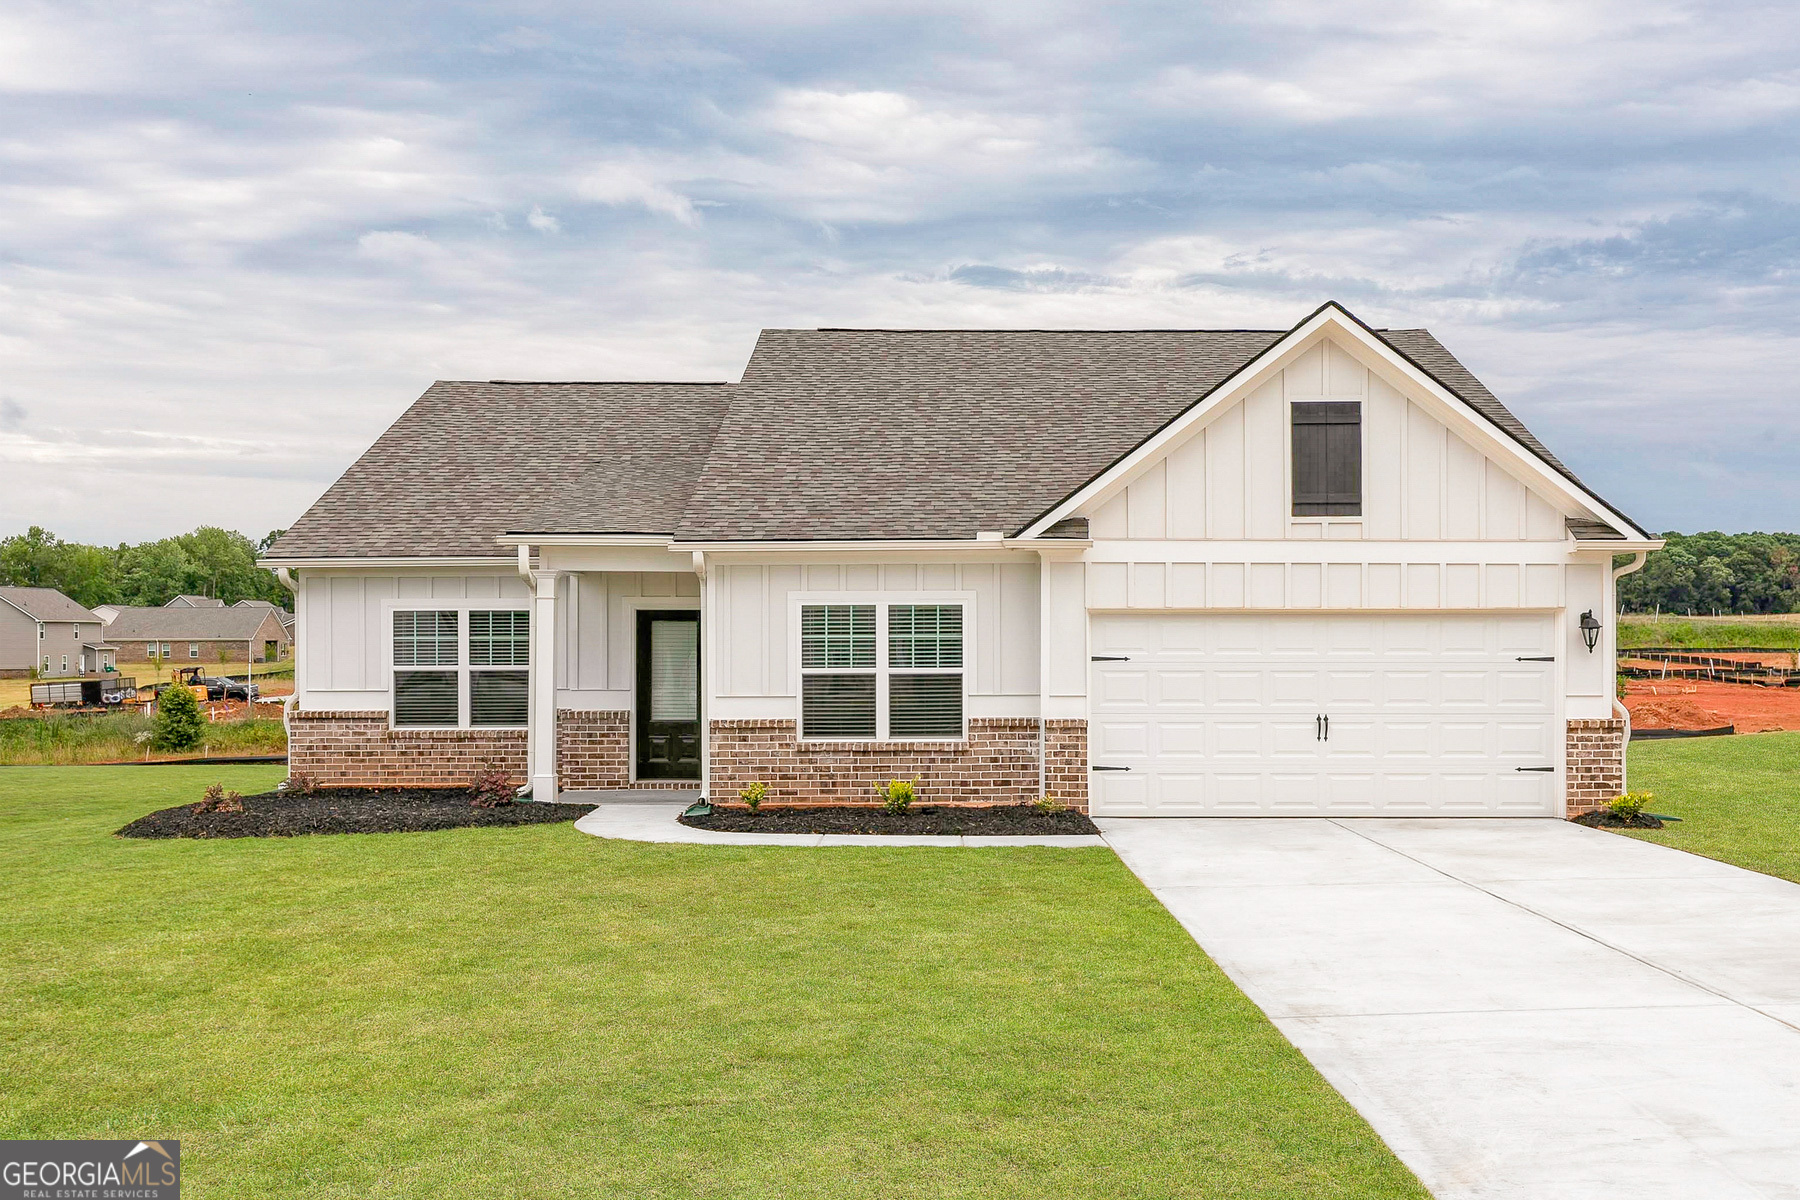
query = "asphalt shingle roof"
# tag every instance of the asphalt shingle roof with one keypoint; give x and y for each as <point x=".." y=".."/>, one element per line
<point x="186" y="624"/>
<point x="470" y="461"/>
<point x="851" y="434"/>
<point x="45" y="604"/>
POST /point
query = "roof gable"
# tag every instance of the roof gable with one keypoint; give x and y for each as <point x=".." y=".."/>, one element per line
<point x="1477" y="417"/>
<point x="45" y="604"/>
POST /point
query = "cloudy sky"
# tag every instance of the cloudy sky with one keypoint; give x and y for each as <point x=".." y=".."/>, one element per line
<point x="236" y="240"/>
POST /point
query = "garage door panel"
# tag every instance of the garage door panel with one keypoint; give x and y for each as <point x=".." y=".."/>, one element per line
<point x="1430" y="714"/>
<point x="1291" y="739"/>
<point x="1351" y="791"/>
<point x="1180" y="686"/>
<point x="1235" y="687"/>
<point x="1242" y="740"/>
<point x="1176" y="740"/>
<point x="1524" y="689"/>
<point x="1115" y="739"/>
<point x="1408" y="793"/>
<point x="1293" y="792"/>
<point x="1126" y="795"/>
<point x="1465" y="689"/>
<point x="1288" y="688"/>
<point x="1348" y="688"/>
<point x="1181" y="793"/>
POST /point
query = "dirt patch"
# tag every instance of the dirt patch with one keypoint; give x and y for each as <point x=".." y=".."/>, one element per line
<point x="346" y="810"/>
<point x="998" y="820"/>
<point x="1701" y="704"/>
<point x="1611" y="820"/>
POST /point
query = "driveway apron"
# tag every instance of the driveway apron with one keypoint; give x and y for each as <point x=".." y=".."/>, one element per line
<point x="1521" y="1008"/>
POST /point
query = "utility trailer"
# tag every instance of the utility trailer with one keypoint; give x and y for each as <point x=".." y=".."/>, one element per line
<point x="84" y="693"/>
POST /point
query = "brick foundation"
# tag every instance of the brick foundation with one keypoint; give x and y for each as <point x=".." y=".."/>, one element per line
<point x="998" y="764"/>
<point x="593" y="750"/>
<point x="1596" y="764"/>
<point x="357" y="749"/>
<point x="1066" y="762"/>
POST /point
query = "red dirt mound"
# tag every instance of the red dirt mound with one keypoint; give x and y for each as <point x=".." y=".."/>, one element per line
<point x="1699" y="704"/>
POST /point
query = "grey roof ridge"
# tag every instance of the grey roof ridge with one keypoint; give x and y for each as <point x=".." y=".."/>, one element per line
<point x="1550" y="462"/>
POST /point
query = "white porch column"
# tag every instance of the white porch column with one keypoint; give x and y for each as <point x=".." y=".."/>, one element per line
<point x="541" y="752"/>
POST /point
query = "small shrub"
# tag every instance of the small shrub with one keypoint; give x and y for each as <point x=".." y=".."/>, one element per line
<point x="1630" y="805"/>
<point x="897" y="795"/>
<point x="300" y="782"/>
<point x="179" y="723"/>
<point x="217" y="799"/>
<point x="754" y="795"/>
<point x="492" y="788"/>
<point x="1047" y="805"/>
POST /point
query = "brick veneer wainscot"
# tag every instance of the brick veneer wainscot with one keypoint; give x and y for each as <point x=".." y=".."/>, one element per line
<point x="998" y="764"/>
<point x="1596" y="764"/>
<point x="593" y="750"/>
<point x="357" y="749"/>
<point x="1066" y="762"/>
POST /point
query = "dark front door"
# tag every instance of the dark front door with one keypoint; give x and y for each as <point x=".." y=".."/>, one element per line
<point x="668" y="695"/>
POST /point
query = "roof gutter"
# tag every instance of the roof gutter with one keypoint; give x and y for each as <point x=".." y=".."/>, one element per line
<point x="396" y="560"/>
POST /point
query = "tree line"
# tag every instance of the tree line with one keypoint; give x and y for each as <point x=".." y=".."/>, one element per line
<point x="1705" y="573"/>
<point x="207" y="562"/>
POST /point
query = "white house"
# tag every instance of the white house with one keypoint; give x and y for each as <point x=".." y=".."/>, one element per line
<point x="1163" y="572"/>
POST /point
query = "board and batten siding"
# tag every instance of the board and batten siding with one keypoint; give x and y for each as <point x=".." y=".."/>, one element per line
<point x="751" y="640"/>
<point x="1420" y="481"/>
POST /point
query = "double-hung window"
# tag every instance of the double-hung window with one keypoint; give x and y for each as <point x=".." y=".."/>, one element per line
<point x="461" y="668"/>
<point x="887" y="671"/>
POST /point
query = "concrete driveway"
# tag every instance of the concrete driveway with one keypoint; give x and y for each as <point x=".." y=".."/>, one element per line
<point x="1520" y="1008"/>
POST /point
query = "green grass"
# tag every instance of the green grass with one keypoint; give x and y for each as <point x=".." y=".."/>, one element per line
<point x="533" y="1012"/>
<point x="1738" y="797"/>
<point x="1711" y="633"/>
<point x="112" y="737"/>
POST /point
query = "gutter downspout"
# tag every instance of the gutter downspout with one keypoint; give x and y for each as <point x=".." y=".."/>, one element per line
<point x="286" y="580"/>
<point x="1638" y="559"/>
<point x="531" y="730"/>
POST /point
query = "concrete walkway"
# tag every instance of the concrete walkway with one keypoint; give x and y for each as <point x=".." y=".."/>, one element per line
<point x="648" y="816"/>
<point x="1522" y="1009"/>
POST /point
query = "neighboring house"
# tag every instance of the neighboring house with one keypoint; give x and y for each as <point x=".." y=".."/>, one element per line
<point x="43" y="630"/>
<point x="200" y="634"/>
<point x="185" y="601"/>
<point x="1163" y="572"/>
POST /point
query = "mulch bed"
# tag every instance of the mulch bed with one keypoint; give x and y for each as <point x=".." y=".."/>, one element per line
<point x="994" y="821"/>
<point x="1611" y="820"/>
<point x="346" y="810"/>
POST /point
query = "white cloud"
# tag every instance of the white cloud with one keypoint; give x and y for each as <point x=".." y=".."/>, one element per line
<point x="398" y="247"/>
<point x="622" y="184"/>
<point x="542" y="221"/>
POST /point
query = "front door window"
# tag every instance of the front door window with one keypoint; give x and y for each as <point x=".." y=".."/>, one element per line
<point x="668" y="695"/>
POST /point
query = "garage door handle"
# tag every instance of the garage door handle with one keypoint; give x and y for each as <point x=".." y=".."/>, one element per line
<point x="1109" y="658"/>
<point x="1109" y="768"/>
<point x="1545" y="770"/>
<point x="1536" y="658"/>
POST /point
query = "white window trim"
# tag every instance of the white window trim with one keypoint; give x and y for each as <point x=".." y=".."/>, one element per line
<point x="881" y="670"/>
<point x="462" y="668"/>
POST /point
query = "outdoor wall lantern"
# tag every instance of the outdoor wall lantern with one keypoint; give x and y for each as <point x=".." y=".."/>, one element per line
<point x="1590" y="629"/>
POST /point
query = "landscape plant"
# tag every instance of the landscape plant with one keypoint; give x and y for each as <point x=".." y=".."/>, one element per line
<point x="897" y="795"/>
<point x="754" y="795"/>
<point x="1048" y="804"/>
<point x="179" y="724"/>
<point x="492" y="788"/>
<point x="217" y="799"/>
<point x="1630" y="805"/>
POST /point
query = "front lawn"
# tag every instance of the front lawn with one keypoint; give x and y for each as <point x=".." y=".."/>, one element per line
<point x="534" y="1012"/>
<point x="1739" y="797"/>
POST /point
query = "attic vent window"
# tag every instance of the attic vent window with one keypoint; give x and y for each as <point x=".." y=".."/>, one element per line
<point x="1327" y="458"/>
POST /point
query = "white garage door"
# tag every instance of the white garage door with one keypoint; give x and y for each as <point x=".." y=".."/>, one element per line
<point x="1415" y="715"/>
